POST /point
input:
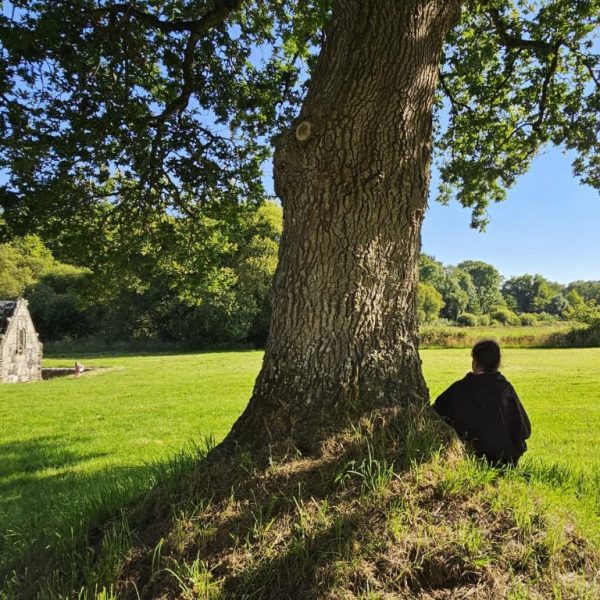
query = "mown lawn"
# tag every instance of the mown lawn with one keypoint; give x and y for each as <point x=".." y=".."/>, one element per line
<point x="74" y="450"/>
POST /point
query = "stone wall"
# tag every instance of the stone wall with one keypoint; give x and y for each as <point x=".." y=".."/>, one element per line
<point x="20" y="349"/>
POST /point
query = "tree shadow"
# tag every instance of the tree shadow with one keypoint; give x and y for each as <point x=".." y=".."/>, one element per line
<point x="269" y="484"/>
<point x="46" y="502"/>
<point x="40" y="453"/>
<point x="240" y="492"/>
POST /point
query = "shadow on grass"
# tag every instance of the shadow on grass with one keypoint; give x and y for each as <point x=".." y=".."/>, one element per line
<point x="188" y="510"/>
<point x="47" y="505"/>
<point x="238" y="494"/>
<point x="41" y="453"/>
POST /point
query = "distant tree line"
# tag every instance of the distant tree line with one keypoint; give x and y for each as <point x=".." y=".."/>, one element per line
<point x="194" y="281"/>
<point x="474" y="293"/>
<point x="207" y="282"/>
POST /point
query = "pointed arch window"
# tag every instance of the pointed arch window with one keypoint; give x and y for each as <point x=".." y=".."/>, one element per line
<point x="21" y="338"/>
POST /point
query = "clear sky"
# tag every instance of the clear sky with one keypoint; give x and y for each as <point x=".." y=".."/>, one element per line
<point x="549" y="224"/>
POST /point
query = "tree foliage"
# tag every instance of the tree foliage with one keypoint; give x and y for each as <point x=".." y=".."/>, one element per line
<point x="197" y="282"/>
<point x="527" y="293"/>
<point x="454" y="285"/>
<point x="430" y="302"/>
<point x="200" y="281"/>
<point x="127" y="111"/>
<point x="586" y="290"/>
<point x="486" y="280"/>
<point x="477" y="288"/>
<point x="122" y="113"/>
<point x="516" y="75"/>
<point x="133" y="136"/>
<point x="22" y="263"/>
<point x="588" y="313"/>
<point x="59" y="303"/>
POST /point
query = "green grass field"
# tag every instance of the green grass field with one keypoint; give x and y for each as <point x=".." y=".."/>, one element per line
<point x="74" y="450"/>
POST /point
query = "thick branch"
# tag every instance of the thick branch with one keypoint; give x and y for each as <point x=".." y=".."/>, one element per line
<point x="545" y="86"/>
<point x="180" y="103"/>
<point x="195" y="27"/>
<point x="198" y="27"/>
<point x="513" y="41"/>
<point x="595" y="77"/>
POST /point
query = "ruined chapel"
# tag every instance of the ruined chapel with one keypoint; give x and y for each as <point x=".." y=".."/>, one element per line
<point x="20" y="348"/>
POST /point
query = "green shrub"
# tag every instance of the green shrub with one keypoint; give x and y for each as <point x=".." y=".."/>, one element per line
<point x="505" y="316"/>
<point x="576" y="337"/>
<point x="438" y="337"/>
<point x="484" y="320"/>
<point x="545" y="317"/>
<point x="528" y="319"/>
<point x="466" y="320"/>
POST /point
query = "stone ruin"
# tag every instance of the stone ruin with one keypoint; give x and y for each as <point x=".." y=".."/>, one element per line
<point x="20" y="348"/>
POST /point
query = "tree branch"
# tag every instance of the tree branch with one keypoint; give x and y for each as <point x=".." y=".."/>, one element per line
<point x="180" y="103"/>
<point x="545" y="86"/>
<point x="595" y="77"/>
<point x="453" y="101"/>
<point x="513" y="41"/>
<point x="216" y="16"/>
<point x="196" y="28"/>
<point x="587" y="60"/>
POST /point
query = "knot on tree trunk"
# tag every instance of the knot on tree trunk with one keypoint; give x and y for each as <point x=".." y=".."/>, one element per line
<point x="303" y="131"/>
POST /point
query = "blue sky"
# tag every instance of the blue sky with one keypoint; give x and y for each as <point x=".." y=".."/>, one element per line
<point x="549" y="224"/>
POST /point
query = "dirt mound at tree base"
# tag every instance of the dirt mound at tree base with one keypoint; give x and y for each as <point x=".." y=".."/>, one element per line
<point x="389" y="509"/>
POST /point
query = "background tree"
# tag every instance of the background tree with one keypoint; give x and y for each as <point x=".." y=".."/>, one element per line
<point x="486" y="280"/>
<point x="455" y="299"/>
<point x="430" y="302"/>
<point x="573" y="298"/>
<point x="22" y="262"/>
<point x="557" y="305"/>
<point x="466" y="284"/>
<point x="431" y="271"/>
<point x="57" y="303"/>
<point x="455" y="286"/>
<point x="162" y="108"/>
<point x="588" y="290"/>
<point x="534" y="294"/>
<point x="194" y="281"/>
<point x="522" y="293"/>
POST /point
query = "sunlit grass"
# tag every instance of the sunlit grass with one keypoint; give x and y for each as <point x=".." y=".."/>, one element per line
<point x="76" y="450"/>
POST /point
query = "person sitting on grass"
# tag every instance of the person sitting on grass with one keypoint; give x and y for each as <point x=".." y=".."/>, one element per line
<point x="485" y="410"/>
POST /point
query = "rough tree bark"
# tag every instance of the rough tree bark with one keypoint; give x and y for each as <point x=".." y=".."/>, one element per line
<point x="353" y="175"/>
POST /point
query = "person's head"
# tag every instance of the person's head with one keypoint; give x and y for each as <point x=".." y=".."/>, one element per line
<point x="486" y="356"/>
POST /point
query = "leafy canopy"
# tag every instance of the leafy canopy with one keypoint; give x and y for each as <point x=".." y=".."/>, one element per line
<point x="22" y="262"/>
<point x="517" y="75"/>
<point x="130" y="111"/>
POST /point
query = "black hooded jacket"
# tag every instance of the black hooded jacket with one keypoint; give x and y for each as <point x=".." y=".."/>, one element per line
<point x="487" y="413"/>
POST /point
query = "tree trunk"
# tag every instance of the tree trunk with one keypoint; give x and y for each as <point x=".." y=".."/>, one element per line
<point x="353" y="175"/>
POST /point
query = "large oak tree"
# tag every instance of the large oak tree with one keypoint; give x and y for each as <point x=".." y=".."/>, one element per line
<point x="130" y="111"/>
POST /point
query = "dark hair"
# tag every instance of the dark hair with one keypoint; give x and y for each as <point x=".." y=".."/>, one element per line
<point x="487" y="355"/>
